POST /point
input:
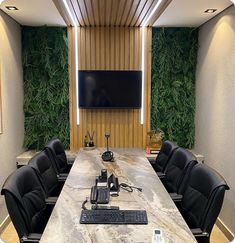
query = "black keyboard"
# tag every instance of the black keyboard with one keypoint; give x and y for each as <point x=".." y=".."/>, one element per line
<point x="113" y="217"/>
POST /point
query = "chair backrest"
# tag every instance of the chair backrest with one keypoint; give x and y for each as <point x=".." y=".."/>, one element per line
<point x="164" y="155"/>
<point x="45" y="170"/>
<point x="25" y="201"/>
<point x="203" y="197"/>
<point x="57" y="153"/>
<point x="178" y="169"/>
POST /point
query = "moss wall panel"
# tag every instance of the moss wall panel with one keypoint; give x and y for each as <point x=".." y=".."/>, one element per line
<point x="174" y="60"/>
<point x="46" y="85"/>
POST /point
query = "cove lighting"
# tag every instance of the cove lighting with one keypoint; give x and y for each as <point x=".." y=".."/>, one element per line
<point x="210" y="10"/>
<point x="11" y="8"/>
<point x="76" y="53"/>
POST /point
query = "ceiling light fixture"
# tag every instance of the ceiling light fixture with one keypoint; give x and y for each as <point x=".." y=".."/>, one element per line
<point x="210" y="10"/>
<point x="11" y="8"/>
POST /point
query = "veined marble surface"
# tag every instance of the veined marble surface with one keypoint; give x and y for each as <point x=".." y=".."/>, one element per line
<point x="131" y="167"/>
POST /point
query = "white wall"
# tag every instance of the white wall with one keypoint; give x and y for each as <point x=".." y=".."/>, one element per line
<point x="11" y="140"/>
<point x="215" y="102"/>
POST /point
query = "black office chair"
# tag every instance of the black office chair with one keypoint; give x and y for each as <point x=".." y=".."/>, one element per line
<point x="177" y="171"/>
<point x="202" y="201"/>
<point x="164" y="156"/>
<point x="46" y="173"/>
<point x="26" y="204"/>
<point x="56" y="152"/>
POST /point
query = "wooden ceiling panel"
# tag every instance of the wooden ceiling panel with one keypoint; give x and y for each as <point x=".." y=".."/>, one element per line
<point x="120" y="11"/>
<point x="148" y="6"/>
<point x="90" y="10"/>
<point x="126" y="12"/>
<point x="138" y="11"/>
<point x="132" y="12"/>
<point x="82" y="5"/>
<point x="76" y="11"/>
<point x="111" y="12"/>
<point x="102" y="11"/>
<point x="108" y="11"/>
<point x="115" y="6"/>
<point x="95" y="12"/>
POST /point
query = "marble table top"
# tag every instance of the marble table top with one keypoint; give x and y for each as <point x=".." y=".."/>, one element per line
<point x="131" y="167"/>
<point x="24" y="158"/>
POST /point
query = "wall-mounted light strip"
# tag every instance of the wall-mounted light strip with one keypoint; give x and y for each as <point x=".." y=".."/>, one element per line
<point x="76" y="53"/>
<point x="143" y="59"/>
<point x="143" y="74"/>
<point x="76" y="71"/>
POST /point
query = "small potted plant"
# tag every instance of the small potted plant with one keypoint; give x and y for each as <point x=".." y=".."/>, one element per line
<point x="155" y="138"/>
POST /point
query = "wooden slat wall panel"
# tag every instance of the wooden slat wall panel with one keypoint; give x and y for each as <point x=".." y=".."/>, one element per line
<point x="110" y="48"/>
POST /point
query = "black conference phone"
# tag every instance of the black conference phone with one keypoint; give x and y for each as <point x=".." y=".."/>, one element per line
<point x="100" y="192"/>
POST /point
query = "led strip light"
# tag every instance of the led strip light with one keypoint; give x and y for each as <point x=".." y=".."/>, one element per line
<point x="143" y="73"/>
<point x="143" y="60"/>
<point x="76" y="53"/>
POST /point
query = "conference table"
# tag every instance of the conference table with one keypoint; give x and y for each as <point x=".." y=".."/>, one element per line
<point x="131" y="167"/>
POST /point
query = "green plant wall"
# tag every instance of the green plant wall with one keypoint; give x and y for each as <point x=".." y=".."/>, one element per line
<point x="173" y="83"/>
<point x="46" y="85"/>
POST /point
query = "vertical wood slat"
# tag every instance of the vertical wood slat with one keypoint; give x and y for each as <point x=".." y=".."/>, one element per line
<point x="111" y="48"/>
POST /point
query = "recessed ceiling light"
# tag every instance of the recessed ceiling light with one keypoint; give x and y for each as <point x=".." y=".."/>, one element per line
<point x="11" y="8"/>
<point x="210" y="10"/>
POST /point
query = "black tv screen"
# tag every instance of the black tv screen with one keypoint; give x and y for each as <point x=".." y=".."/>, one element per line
<point x="109" y="89"/>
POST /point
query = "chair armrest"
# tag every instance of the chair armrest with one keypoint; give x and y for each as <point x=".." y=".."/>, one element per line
<point x="62" y="177"/>
<point x="161" y="175"/>
<point x="176" y="197"/>
<point x="197" y="232"/>
<point x="51" y="200"/>
<point x="70" y="161"/>
<point x="34" y="237"/>
<point x="151" y="160"/>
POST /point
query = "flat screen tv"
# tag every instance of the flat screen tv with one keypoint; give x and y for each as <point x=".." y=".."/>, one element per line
<point x="109" y="89"/>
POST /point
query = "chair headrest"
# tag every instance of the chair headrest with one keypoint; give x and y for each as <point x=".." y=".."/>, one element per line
<point x="20" y="182"/>
<point x="211" y="179"/>
<point x="56" y="146"/>
<point x="168" y="147"/>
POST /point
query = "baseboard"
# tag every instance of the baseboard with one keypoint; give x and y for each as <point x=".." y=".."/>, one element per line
<point x="226" y="231"/>
<point x="4" y="224"/>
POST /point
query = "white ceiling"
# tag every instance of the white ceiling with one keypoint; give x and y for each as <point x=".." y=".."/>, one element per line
<point x="34" y="12"/>
<point x="179" y="13"/>
<point x="190" y="13"/>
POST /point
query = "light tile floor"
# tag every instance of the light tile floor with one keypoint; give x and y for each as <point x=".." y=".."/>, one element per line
<point x="9" y="235"/>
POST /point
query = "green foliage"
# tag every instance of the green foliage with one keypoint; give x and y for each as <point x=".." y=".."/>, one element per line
<point x="173" y="83"/>
<point x="46" y="85"/>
